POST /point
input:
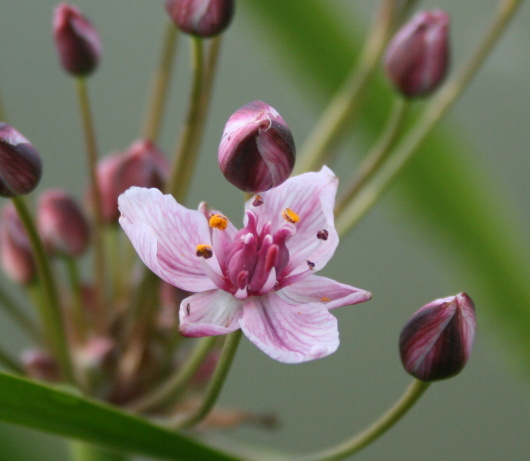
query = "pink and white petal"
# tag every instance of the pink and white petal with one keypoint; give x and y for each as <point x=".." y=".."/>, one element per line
<point x="312" y="197"/>
<point x="210" y="313"/>
<point x="165" y="235"/>
<point x="327" y="291"/>
<point x="289" y="333"/>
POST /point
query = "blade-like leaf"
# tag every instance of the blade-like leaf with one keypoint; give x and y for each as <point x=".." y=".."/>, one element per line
<point x="66" y="414"/>
<point x="442" y="184"/>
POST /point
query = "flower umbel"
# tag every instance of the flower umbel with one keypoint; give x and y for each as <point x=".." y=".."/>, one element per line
<point x="260" y="278"/>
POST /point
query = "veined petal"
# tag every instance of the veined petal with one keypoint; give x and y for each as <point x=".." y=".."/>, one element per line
<point x="165" y="235"/>
<point x="287" y="332"/>
<point x="321" y="289"/>
<point x="210" y="313"/>
<point x="312" y="197"/>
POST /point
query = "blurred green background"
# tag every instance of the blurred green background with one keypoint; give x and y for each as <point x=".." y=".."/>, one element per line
<point x="482" y="414"/>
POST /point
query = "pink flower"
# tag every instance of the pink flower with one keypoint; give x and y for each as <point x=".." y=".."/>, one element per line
<point x="260" y="278"/>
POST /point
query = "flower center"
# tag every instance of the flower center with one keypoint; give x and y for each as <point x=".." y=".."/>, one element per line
<point x="255" y="259"/>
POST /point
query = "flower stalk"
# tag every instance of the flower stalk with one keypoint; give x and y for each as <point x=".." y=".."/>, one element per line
<point x="216" y="383"/>
<point x="351" y="446"/>
<point x="347" y="101"/>
<point x="435" y="110"/>
<point x="158" y="96"/>
<point x="92" y="157"/>
<point x="49" y="309"/>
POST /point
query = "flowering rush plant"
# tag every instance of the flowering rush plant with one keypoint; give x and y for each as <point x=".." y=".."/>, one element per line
<point x="134" y="300"/>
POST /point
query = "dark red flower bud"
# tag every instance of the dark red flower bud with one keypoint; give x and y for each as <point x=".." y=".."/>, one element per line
<point x="417" y="58"/>
<point x="142" y="165"/>
<point x="77" y="42"/>
<point x="204" y="18"/>
<point x="436" y="342"/>
<point x="16" y="254"/>
<point x="20" y="164"/>
<point x="257" y="149"/>
<point x="62" y="225"/>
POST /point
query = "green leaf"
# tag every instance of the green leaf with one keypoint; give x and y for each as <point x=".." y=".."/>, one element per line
<point x="442" y="185"/>
<point x="65" y="413"/>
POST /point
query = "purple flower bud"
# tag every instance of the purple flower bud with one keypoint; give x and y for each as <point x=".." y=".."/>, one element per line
<point x="78" y="43"/>
<point x="142" y="165"/>
<point x="436" y="342"/>
<point x="16" y="254"/>
<point x="257" y="149"/>
<point x="204" y="18"/>
<point x="417" y="58"/>
<point x="20" y="164"/>
<point x="62" y="225"/>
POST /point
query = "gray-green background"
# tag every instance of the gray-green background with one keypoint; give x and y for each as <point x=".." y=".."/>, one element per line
<point x="482" y="414"/>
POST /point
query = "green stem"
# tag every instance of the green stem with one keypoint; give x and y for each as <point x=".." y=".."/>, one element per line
<point x="50" y="307"/>
<point x="376" y="430"/>
<point x="432" y="114"/>
<point x="92" y="156"/>
<point x="158" y="96"/>
<point x="376" y="157"/>
<point x="82" y="451"/>
<point x="173" y="387"/>
<point x="216" y="384"/>
<point x="200" y="97"/>
<point x="79" y="317"/>
<point x="347" y="100"/>
<point x="18" y="315"/>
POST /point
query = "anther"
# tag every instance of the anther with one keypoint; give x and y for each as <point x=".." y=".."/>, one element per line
<point x="322" y="234"/>
<point x="310" y="264"/>
<point x="218" y="221"/>
<point x="290" y="216"/>
<point x="204" y="251"/>
<point x="258" y="200"/>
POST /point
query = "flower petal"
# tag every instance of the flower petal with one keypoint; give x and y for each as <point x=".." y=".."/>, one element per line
<point x="165" y="235"/>
<point x="289" y="333"/>
<point x="321" y="289"/>
<point x="312" y="197"/>
<point x="210" y="313"/>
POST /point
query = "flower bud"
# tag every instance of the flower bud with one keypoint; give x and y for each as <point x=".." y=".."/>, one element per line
<point x="417" y="58"/>
<point x="204" y="18"/>
<point x="20" y="164"/>
<point x="257" y="149"/>
<point x="77" y="42"/>
<point x="16" y="254"/>
<point x="436" y="342"/>
<point x="62" y="225"/>
<point x="39" y="364"/>
<point x="142" y="165"/>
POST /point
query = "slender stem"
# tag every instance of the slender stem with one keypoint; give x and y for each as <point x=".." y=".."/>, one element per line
<point x="9" y="363"/>
<point x="185" y="156"/>
<point x="18" y="315"/>
<point x="432" y="114"/>
<point x="373" y="432"/>
<point x="79" y="317"/>
<point x="347" y="100"/>
<point x="376" y="157"/>
<point x="216" y="383"/>
<point x="200" y="96"/>
<point x="82" y="451"/>
<point x="92" y="156"/>
<point x="172" y="388"/>
<point x="50" y="307"/>
<point x="160" y="88"/>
